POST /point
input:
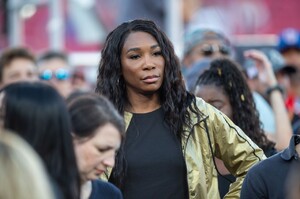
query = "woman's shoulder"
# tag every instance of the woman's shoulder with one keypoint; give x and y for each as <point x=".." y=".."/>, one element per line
<point x="204" y="107"/>
<point x="101" y="189"/>
<point x="209" y="112"/>
<point x="200" y="102"/>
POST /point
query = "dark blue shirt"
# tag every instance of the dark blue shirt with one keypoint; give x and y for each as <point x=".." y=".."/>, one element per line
<point x="267" y="179"/>
<point x="104" y="190"/>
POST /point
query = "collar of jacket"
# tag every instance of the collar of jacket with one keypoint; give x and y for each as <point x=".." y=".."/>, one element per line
<point x="290" y="152"/>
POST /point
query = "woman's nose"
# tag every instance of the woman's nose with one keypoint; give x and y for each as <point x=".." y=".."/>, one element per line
<point x="148" y="63"/>
<point x="109" y="161"/>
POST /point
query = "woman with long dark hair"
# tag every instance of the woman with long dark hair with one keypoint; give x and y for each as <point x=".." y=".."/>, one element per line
<point x="39" y="114"/>
<point x="224" y="87"/>
<point x="223" y="78"/>
<point x="172" y="137"/>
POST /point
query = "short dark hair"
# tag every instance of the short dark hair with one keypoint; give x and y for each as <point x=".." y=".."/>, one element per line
<point x="89" y="111"/>
<point x="39" y="114"/>
<point x="53" y="55"/>
<point x="11" y="54"/>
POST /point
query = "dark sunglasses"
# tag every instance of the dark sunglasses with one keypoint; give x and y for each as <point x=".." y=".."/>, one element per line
<point x="208" y="49"/>
<point x="59" y="74"/>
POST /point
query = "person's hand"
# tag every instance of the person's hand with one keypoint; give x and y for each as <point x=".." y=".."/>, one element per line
<point x="265" y="71"/>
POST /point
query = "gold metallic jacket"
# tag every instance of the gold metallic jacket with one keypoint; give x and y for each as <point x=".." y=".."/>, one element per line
<point x="215" y="136"/>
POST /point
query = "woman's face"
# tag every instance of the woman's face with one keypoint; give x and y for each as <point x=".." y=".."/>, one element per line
<point x="94" y="155"/>
<point x="215" y="96"/>
<point x="142" y="63"/>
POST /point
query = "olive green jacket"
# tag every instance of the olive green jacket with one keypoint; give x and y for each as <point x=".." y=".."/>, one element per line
<point x="214" y="136"/>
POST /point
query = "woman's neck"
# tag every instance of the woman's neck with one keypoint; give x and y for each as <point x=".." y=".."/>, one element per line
<point x="143" y="103"/>
<point x="86" y="190"/>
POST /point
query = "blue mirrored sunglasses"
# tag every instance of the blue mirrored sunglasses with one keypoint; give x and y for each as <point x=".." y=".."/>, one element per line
<point x="59" y="74"/>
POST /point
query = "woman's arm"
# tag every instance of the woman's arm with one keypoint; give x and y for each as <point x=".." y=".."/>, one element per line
<point x="233" y="147"/>
<point x="267" y="77"/>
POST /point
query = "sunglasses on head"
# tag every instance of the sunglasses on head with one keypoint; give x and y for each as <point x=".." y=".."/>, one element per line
<point x="209" y="49"/>
<point x="59" y="74"/>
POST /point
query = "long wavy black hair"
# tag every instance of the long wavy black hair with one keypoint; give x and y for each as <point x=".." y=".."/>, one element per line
<point x="225" y="74"/>
<point x="37" y="113"/>
<point x="174" y="98"/>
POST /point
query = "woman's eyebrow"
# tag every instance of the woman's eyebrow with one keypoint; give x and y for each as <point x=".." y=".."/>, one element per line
<point x="137" y="49"/>
<point x="132" y="49"/>
<point x="155" y="46"/>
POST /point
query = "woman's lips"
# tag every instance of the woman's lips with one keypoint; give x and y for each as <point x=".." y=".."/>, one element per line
<point x="150" y="79"/>
<point x="99" y="172"/>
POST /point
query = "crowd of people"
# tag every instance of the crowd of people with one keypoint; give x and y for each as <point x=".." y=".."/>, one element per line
<point x="154" y="126"/>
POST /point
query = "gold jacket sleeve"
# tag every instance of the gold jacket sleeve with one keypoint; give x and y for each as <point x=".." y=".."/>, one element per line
<point x="216" y="135"/>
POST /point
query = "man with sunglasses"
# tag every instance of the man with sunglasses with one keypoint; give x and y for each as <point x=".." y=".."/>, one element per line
<point x="200" y="46"/>
<point x="54" y="69"/>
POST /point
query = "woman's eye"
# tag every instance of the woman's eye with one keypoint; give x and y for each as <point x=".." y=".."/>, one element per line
<point x="102" y="150"/>
<point x="157" y="53"/>
<point x="217" y="105"/>
<point x="134" y="56"/>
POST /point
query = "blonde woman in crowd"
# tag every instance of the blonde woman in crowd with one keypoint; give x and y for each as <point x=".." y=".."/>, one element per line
<point x="22" y="173"/>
